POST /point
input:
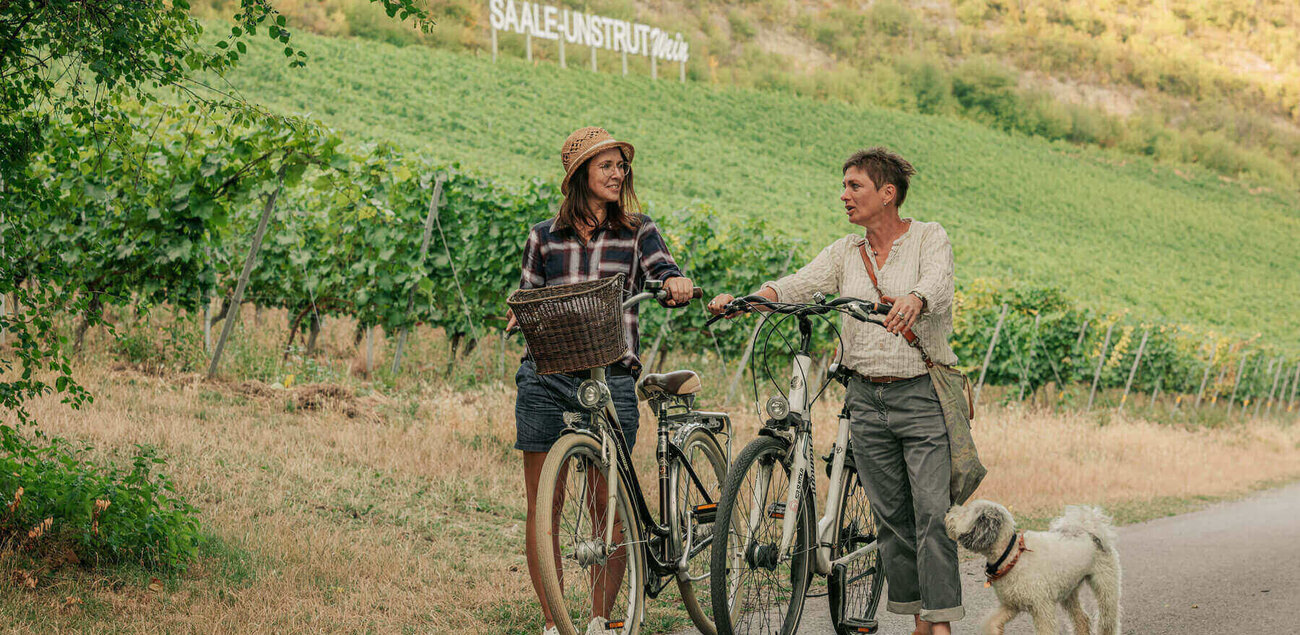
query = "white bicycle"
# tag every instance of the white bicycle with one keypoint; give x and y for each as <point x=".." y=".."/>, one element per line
<point x="765" y="555"/>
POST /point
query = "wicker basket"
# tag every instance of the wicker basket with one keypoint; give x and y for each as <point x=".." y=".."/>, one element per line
<point x="572" y="327"/>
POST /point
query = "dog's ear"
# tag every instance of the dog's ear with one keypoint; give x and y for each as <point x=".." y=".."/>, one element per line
<point x="983" y="531"/>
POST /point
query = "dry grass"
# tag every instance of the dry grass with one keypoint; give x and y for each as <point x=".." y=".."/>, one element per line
<point x="338" y="508"/>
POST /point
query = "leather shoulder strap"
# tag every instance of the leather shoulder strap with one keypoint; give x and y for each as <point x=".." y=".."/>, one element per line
<point x="908" y="335"/>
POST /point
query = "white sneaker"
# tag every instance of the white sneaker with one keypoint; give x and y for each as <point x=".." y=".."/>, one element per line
<point x="597" y="627"/>
<point x="551" y="630"/>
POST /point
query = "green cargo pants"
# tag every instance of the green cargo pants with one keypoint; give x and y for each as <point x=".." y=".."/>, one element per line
<point x="900" y="447"/>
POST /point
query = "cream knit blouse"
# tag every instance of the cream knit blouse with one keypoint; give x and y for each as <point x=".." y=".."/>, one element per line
<point x="920" y="260"/>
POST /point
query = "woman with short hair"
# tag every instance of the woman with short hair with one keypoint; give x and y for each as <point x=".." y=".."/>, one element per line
<point x="900" y="440"/>
<point x="598" y="232"/>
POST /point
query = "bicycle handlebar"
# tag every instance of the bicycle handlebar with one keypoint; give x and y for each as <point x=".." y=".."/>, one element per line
<point x="662" y="296"/>
<point x="857" y="309"/>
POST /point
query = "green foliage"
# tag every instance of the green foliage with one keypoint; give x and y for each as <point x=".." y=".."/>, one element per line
<point x="144" y="520"/>
<point x="112" y="213"/>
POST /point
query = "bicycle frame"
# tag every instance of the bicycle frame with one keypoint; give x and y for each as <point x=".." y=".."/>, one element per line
<point x="674" y="552"/>
<point x="802" y="477"/>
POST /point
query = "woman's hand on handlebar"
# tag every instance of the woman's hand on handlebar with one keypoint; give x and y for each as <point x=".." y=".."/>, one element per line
<point x="719" y="303"/>
<point x="680" y="290"/>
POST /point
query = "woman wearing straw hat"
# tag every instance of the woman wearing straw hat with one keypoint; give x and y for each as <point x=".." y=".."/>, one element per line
<point x="599" y="232"/>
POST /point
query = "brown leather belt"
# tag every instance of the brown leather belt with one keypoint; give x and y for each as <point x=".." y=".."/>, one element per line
<point x="879" y="379"/>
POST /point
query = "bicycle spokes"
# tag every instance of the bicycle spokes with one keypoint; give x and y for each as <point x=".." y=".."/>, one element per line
<point x="591" y="568"/>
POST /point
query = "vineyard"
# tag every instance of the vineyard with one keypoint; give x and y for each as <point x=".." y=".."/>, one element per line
<point x="392" y="240"/>
<point x="1110" y="229"/>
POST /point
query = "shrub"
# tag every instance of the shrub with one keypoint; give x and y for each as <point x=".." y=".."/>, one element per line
<point x="54" y="495"/>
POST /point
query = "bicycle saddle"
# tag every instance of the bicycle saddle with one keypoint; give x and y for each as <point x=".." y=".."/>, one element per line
<point x="678" y="382"/>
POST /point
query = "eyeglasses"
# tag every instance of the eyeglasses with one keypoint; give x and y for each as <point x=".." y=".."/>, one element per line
<point x="608" y="167"/>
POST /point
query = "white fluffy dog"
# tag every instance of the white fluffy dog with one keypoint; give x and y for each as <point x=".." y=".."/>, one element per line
<point x="1036" y="570"/>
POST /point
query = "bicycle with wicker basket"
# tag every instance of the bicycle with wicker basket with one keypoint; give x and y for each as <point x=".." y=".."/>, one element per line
<point x="598" y="566"/>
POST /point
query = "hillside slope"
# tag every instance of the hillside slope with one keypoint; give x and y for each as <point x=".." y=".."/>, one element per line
<point x="1188" y="247"/>
<point x="1184" y="81"/>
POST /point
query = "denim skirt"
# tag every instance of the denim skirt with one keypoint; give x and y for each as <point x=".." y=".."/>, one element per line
<point x="542" y="400"/>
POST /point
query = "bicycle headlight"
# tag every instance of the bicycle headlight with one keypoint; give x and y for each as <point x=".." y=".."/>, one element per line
<point x="592" y="394"/>
<point x="778" y="408"/>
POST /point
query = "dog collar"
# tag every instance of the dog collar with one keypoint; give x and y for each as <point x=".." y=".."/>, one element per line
<point x="992" y="570"/>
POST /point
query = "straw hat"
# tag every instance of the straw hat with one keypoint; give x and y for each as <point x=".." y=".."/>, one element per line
<point x="585" y="143"/>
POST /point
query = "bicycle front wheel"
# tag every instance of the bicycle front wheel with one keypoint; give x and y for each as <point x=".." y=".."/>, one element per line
<point x="584" y="577"/>
<point x="756" y="587"/>
<point x="854" y="587"/>
<point x="695" y="526"/>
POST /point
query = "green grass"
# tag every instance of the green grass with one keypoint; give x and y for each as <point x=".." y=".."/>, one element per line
<point x="1113" y="230"/>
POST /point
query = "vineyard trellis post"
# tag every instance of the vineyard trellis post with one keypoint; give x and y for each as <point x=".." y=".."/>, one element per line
<point x="494" y="45"/>
<point x="1083" y="330"/>
<point x="1218" y="381"/>
<point x="434" y="202"/>
<point x="624" y="63"/>
<point x="1277" y="375"/>
<point x="563" y="62"/>
<point x="1024" y="363"/>
<point x="654" y="67"/>
<point x="753" y="337"/>
<point x="1236" y="382"/>
<point x="528" y="46"/>
<point x="682" y="71"/>
<point x="997" y="329"/>
<point x="370" y="350"/>
<point x="1214" y="352"/>
<point x="207" y="309"/>
<point x="1133" y="371"/>
<point x="1274" y="367"/>
<point x="1245" y="401"/>
<point x="248" y="269"/>
<point x="593" y="59"/>
<point x="1101" y="362"/>
<point x="659" y="338"/>
<point x="501" y="360"/>
<point x="1295" y="382"/>
<point x="1282" y="391"/>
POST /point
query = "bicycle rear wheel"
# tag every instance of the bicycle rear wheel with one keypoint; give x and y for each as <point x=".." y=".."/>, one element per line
<point x="705" y="457"/>
<point x="755" y="587"/>
<point x="582" y="578"/>
<point x="854" y="587"/>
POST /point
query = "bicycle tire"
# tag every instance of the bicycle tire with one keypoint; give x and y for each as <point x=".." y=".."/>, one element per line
<point x="753" y="612"/>
<point x="574" y="550"/>
<point x="859" y="599"/>
<point x="711" y="452"/>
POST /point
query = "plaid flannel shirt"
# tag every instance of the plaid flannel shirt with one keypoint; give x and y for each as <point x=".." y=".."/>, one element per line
<point x="558" y="256"/>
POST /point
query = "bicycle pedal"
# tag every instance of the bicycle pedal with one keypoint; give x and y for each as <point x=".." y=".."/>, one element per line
<point x="776" y="510"/>
<point x="705" y="513"/>
<point x="860" y="626"/>
<point x="614" y="625"/>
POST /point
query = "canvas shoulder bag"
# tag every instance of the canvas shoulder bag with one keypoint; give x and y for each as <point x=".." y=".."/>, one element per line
<point x="955" y="399"/>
